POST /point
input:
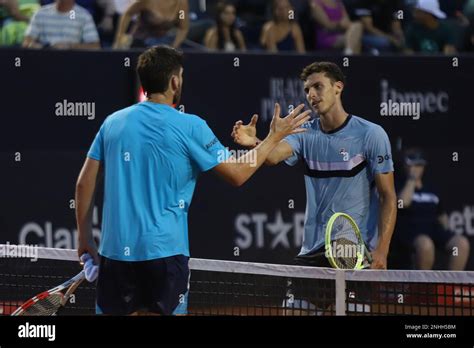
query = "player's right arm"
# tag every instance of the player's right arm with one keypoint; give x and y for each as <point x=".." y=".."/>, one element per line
<point x="85" y="192"/>
<point x="246" y="135"/>
<point x="280" y="153"/>
<point x="85" y="195"/>
<point x="238" y="172"/>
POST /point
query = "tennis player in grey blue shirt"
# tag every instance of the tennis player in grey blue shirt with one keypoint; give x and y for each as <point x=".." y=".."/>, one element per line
<point x="347" y="162"/>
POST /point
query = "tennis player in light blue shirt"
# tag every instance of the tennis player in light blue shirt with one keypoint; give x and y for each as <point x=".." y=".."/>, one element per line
<point x="340" y="167"/>
<point x="347" y="164"/>
<point x="154" y="155"/>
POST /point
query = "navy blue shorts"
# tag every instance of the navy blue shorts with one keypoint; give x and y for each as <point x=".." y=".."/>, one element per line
<point x="315" y="259"/>
<point x="155" y="286"/>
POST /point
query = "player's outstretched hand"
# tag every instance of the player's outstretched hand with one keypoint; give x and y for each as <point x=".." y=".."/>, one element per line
<point x="246" y="135"/>
<point x="282" y="127"/>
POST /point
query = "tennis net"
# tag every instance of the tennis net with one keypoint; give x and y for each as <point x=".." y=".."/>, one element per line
<point x="243" y="288"/>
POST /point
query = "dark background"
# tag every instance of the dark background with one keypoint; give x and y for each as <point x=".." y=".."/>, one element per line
<point x="35" y="192"/>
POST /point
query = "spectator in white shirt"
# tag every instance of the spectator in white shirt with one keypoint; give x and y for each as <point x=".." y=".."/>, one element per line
<point x="62" y="25"/>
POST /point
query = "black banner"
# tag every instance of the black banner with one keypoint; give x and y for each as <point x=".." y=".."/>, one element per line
<point x="379" y="331"/>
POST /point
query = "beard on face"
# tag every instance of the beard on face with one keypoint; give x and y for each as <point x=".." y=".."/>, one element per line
<point x="177" y="96"/>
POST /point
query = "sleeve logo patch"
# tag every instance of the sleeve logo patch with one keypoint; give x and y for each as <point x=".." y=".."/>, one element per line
<point x="381" y="159"/>
<point x="212" y="143"/>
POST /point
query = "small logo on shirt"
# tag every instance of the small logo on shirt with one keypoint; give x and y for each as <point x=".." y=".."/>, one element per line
<point x="345" y="154"/>
<point x="212" y="143"/>
<point x="381" y="159"/>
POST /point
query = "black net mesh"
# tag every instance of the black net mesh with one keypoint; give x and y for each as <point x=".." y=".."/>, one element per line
<point x="239" y="288"/>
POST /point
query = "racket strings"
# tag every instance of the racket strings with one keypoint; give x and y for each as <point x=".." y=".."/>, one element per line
<point x="343" y="229"/>
<point x="45" y="307"/>
<point x="345" y="244"/>
<point x="348" y="259"/>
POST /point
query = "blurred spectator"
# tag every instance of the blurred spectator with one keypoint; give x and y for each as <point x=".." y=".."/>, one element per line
<point x="428" y="33"/>
<point x="159" y="22"/>
<point x="62" y="25"/>
<point x="11" y="9"/>
<point x="456" y="20"/>
<point x="90" y="5"/>
<point x="251" y="16"/>
<point x="334" y="29"/>
<point x="422" y="224"/>
<point x="14" y="18"/>
<point x="111" y="11"/>
<point x="225" y="36"/>
<point x="282" y="33"/>
<point x="382" y="29"/>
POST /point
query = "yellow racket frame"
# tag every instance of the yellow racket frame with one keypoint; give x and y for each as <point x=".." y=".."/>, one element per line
<point x="328" y="246"/>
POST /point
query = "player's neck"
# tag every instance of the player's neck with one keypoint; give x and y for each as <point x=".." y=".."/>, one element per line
<point x="333" y="119"/>
<point x="160" y="99"/>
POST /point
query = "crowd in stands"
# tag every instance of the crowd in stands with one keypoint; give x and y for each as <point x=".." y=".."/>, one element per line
<point x="348" y="26"/>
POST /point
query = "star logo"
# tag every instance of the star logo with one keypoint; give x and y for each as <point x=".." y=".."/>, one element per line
<point x="280" y="231"/>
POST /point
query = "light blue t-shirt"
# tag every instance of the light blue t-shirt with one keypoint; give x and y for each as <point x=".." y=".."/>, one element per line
<point x="152" y="155"/>
<point x="49" y="26"/>
<point x="340" y="169"/>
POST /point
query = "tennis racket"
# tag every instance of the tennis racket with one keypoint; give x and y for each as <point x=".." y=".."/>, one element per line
<point x="344" y="245"/>
<point x="49" y="302"/>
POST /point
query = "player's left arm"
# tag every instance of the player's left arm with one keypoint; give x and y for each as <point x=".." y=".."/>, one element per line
<point x="379" y="155"/>
<point x="387" y="218"/>
<point x="85" y="192"/>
